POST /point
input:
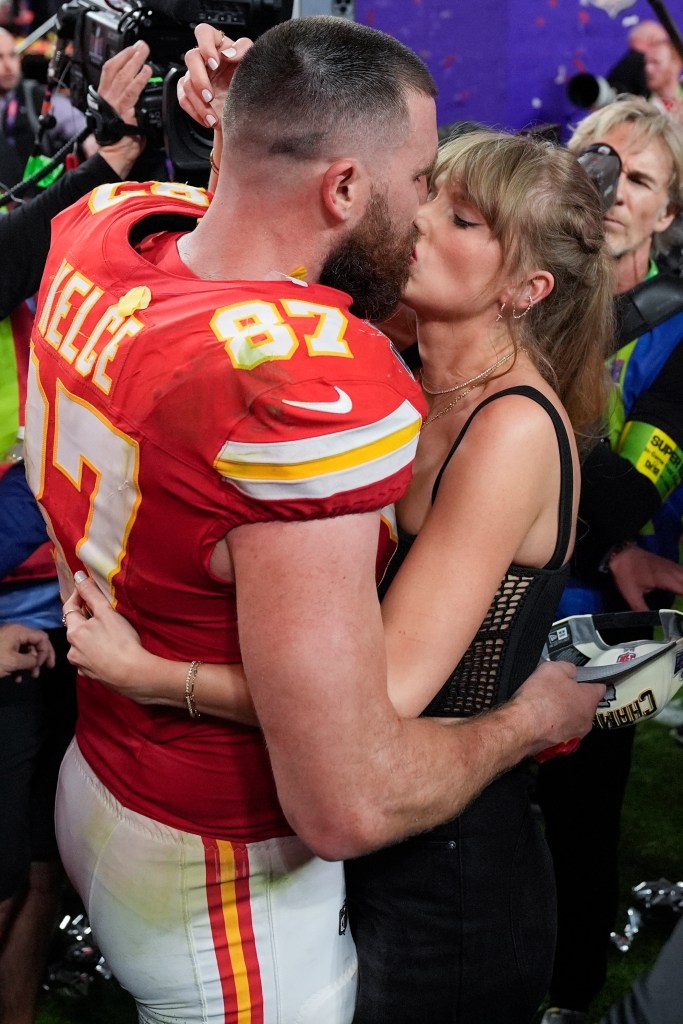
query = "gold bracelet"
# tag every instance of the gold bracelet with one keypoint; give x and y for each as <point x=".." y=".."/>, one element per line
<point x="214" y="166"/>
<point x="189" y="689"/>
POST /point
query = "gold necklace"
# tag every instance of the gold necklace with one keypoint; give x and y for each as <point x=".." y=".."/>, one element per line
<point x="465" y="383"/>
<point x="480" y="380"/>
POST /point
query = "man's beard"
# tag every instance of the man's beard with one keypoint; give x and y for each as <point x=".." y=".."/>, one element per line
<point x="371" y="263"/>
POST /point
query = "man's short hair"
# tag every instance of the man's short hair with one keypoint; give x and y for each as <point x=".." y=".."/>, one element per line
<point x="307" y="84"/>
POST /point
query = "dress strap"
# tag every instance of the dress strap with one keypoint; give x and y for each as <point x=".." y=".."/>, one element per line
<point x="564" y="530"/>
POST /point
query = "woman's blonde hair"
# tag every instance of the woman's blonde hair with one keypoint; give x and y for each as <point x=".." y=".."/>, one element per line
<point x="545" y="212"/>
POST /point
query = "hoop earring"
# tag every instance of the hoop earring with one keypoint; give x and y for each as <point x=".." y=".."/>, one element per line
<point x="500" y="314"/>
<point x="518" y="316"/>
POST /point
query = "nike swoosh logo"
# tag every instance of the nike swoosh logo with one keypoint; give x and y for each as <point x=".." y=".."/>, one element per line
<point x="342" y="405"/>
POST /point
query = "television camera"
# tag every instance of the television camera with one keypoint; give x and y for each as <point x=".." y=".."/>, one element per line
<point x="90" y="31"/>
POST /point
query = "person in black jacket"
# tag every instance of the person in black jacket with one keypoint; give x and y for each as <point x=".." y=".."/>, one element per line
<point x="22" y="134"/>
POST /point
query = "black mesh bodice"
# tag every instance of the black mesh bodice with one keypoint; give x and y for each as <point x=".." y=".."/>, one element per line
<point x="508" y="645"/>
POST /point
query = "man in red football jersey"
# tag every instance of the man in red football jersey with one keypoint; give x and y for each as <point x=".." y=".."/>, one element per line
<point x="213" y="438"/>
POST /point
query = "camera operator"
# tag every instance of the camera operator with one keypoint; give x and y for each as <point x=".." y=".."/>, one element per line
<point x="25" y="232"/>
<point x="663" y="68"/>
<point x="20" y="106"/>
<point x="650" y="67"/>
<point x="38" y="714"/>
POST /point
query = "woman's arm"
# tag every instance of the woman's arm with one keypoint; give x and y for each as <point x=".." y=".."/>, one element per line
<point x="497" y="505"/>
<point x="105" y="646"/>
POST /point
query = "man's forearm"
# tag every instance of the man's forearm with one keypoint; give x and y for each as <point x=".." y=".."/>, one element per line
<point x="425" y="772"/>
<point x="351" y="774"/>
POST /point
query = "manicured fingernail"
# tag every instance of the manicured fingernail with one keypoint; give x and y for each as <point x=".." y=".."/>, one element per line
<point x="230" y="52"/>
<point x="207" y="95"/>
<point x="212" y="63"/>
<point x="80" y="576"/>
<point x="210" y="120"/>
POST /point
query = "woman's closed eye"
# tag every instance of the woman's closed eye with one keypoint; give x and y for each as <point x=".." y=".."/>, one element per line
<point x="460" y="222"/>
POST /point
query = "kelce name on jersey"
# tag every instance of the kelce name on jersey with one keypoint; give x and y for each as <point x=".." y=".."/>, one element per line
<point x="83" y="325"/>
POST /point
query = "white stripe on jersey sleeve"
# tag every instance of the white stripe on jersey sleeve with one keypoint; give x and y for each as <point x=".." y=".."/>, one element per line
<point x="328" y="464"/>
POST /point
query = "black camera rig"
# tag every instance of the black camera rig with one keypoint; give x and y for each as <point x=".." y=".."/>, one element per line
<point x="89" y="32"/>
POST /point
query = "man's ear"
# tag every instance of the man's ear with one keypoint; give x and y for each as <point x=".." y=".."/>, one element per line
<point x="665" y="218"/>
<point x="343" y="189"/>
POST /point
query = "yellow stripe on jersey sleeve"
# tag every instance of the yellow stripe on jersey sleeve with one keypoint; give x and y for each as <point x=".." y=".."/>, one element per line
<point x="318" y="467"/>
<point x="388" y="516"/>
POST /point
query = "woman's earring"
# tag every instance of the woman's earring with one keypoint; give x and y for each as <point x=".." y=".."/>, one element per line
<point x="500" y="315"/>
<point x="518" y="316"/>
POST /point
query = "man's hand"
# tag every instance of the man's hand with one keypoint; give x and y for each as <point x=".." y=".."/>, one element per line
<point x="636" y="572"/>
<point x="210" y="69"/>
<point x="124" y="76"/>
<point x="23" y="649"/>
<point x="560" y="708"/>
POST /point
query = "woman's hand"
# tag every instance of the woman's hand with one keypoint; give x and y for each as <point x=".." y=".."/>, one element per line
<point x="210" y="68"/>
<point x="104" y="645"/>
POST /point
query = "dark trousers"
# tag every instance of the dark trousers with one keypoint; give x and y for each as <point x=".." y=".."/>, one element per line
<point x="37" y="718"/>
<point x="581" y="797"/>
<point x="458" y="924"/>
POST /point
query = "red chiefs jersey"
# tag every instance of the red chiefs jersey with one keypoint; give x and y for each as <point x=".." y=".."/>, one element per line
<point x="162" y="411"/>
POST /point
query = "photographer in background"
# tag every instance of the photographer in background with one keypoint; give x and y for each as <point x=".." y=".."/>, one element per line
<point x="20" y="105"/>
<point x="25" y="231"/>
<point x="628" y="74"/>
<point x="37" y="713"/>
<point x="650" y="67"/>
<point x="663" y="67"/>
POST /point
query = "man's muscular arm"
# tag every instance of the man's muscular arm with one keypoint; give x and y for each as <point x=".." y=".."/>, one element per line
<point x="351" y="775"/>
